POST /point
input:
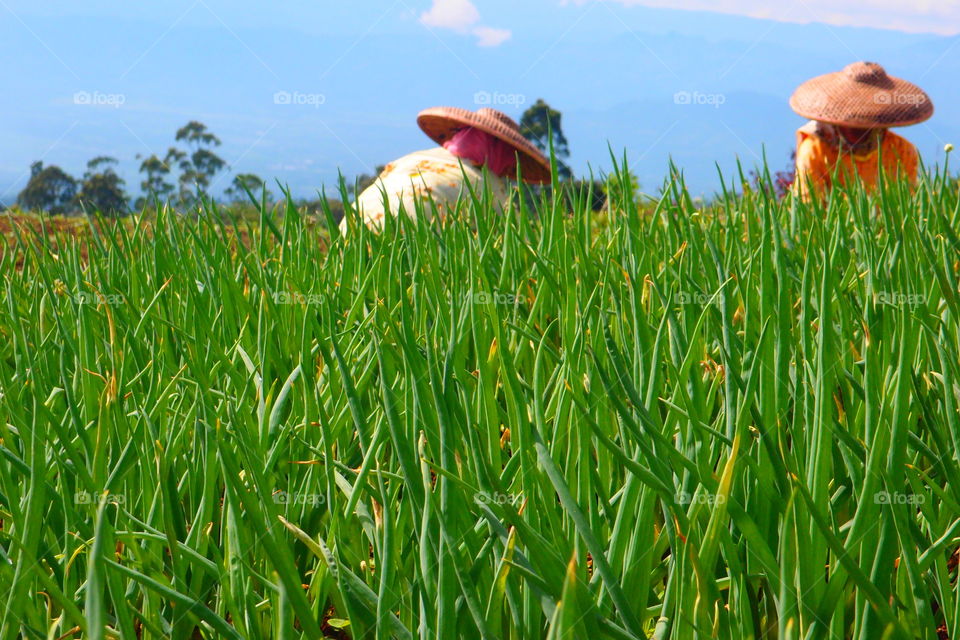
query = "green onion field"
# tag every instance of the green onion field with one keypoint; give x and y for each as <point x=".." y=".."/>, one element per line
<point x="667" y="420"/>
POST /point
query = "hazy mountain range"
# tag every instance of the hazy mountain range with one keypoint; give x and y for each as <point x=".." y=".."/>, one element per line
<point x="299" y="104"/>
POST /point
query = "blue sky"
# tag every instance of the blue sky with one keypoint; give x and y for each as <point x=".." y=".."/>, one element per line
<point x="934" y="16"/>
<point x="299" y="91"/>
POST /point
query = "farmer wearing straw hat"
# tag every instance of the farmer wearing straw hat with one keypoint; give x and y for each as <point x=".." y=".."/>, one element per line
<point x="469" y="143"/>
<point x="848" y="136"/>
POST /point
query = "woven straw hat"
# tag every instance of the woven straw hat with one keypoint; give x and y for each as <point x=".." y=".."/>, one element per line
<point x="441" y="123"/>
<point x="863" y="96"/>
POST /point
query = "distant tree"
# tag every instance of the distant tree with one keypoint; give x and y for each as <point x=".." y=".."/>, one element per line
<point x="102" y="189"/>
<point x="196" y="134"/>
<point x="49" y="189"/>
<point x="364" y="180"/>
<point x="253" y="182"/>
<point x="596" y="189"/>
<point x="199" y="167"/>
<point x="178" y="159"/>
<point x="154" y="183"/>
<point x="315" y="208"/>
<point x="192" y="169"/>
<point x="539" y="124"/>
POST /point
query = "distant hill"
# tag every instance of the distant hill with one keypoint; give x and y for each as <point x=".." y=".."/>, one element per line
<point x="703" y="88"/>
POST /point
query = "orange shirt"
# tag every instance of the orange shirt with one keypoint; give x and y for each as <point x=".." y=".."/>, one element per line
<point x="819" y="154"/>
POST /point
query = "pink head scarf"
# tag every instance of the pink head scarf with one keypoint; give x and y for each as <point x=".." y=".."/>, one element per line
<point x="483" y="149"/>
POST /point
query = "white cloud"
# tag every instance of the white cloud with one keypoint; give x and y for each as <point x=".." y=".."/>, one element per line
<point x="491" y="37"/>
<point x="462" y="16"/>
<point x="458" y="15"/>
<point x="924" y="16"/>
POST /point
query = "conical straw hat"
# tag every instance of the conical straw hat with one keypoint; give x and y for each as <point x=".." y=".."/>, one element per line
<point x="441" y="123"/>
<point x="863" y="96"/>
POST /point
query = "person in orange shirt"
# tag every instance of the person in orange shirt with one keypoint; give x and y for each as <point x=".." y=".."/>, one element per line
<point x="848" y="136"/>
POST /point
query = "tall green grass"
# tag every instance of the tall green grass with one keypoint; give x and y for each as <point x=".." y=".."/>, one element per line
<point x="736" y="422"/>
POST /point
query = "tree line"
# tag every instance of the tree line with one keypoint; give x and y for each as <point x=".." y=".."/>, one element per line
<point x="180" y="177"/>
<point x="188" y="169"/>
